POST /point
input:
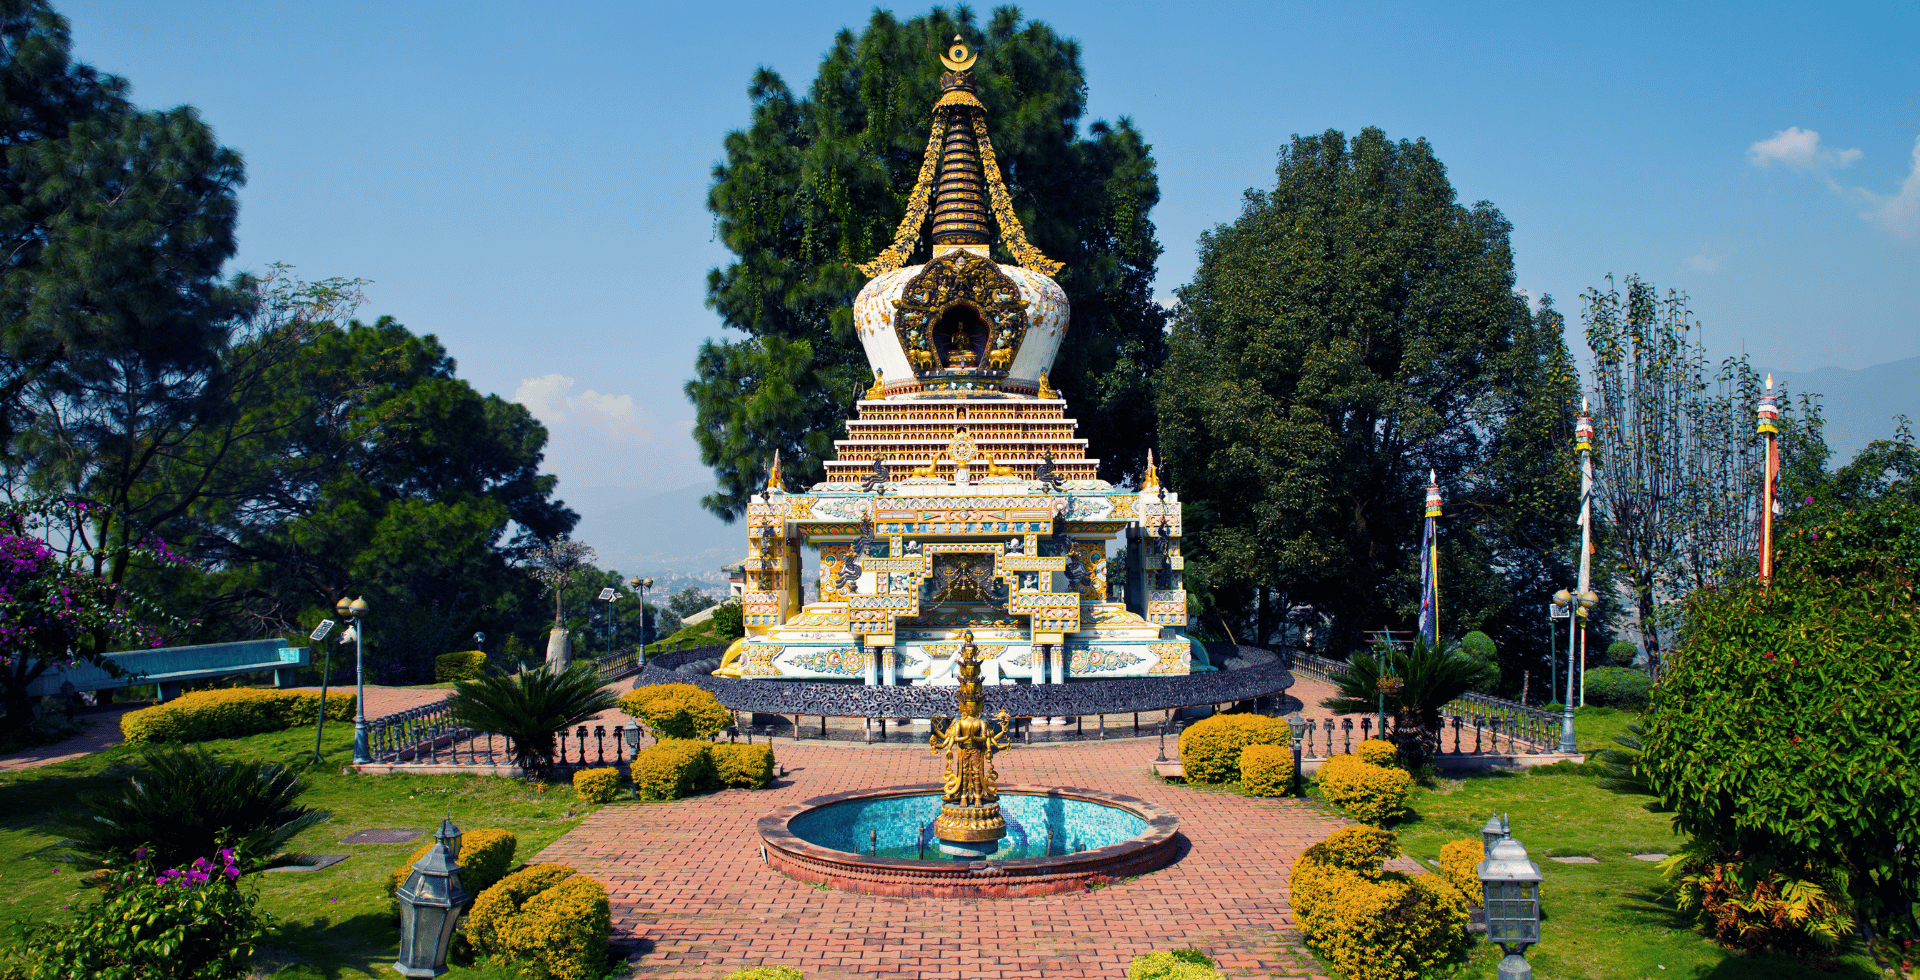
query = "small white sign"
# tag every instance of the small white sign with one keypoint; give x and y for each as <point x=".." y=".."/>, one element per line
<point x="1559" y="612"/>
<point x="606" y="595"/>
<point x="320" y="632"/>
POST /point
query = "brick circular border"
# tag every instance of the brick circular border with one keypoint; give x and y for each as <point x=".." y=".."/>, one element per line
<point x="1022" y="878"/>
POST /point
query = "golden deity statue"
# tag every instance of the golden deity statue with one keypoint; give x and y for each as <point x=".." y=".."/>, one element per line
<point x="970" y="823"/>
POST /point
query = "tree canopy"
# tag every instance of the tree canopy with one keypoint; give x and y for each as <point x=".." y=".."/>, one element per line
<point x="1354" y="329"/>
<point x="819" y="182"/>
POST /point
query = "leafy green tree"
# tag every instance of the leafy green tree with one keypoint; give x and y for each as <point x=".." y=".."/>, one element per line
<point x="1354" y="329"/>
<point x="817" y="183"/>
<point x="376" y="471"/>
<point x="1781" y="732"/>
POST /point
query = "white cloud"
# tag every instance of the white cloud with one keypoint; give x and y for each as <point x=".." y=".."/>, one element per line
<point x="1800" y="149"/>
<point x="613" y="417"/>
<point x="1898" y="213"/>
<point x="1706" y="261"/>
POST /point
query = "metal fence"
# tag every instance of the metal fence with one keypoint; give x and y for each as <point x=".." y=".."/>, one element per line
<point x="1486" y="719"/>
<point x="423" y="732"/>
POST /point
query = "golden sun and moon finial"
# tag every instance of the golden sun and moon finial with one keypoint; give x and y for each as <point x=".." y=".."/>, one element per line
<point x="958" y="57"/>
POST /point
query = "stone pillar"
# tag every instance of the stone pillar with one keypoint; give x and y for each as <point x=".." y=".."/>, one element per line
<point x="1057" y="655"/>
<point x="867" y="657"/>
<point x="559" y="649"/>
<point x="887" y="667"/>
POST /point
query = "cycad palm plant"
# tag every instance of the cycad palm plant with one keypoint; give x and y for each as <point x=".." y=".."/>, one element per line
<point x="1429" y="679"/>
<point x="529" y="707"/>
<point x="186" y="803"/>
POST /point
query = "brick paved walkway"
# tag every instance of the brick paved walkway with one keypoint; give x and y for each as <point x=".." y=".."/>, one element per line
<point x="692" y="896"/>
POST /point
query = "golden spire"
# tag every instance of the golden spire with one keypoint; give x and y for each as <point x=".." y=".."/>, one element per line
<point x="959" y="183"/>
<point x="1152" y="479"/>
<point x="773" y="475"/>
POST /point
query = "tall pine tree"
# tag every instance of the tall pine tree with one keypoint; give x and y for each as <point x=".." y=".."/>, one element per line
<point x="818" y="183"/>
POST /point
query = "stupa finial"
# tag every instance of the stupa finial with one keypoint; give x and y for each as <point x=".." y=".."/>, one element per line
<point x="960" y="188"/>
<point x="1152" y="479"/>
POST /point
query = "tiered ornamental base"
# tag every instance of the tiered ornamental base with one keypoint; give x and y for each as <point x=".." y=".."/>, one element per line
<point x="1028" y="864"/>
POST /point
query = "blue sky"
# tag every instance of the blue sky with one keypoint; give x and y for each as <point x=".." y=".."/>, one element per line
<point x="528" y="181"/>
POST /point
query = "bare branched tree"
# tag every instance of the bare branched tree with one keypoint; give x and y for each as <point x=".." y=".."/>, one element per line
<point x="556" y="562"/>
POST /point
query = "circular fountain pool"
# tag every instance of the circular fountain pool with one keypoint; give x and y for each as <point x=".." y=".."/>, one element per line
<point x="881" y="842"/>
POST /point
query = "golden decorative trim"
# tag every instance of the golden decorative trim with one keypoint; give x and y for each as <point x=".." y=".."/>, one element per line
<point x="959" y="96"/>
<point x="907" y="235"/>
<point x="1012" y="233"/>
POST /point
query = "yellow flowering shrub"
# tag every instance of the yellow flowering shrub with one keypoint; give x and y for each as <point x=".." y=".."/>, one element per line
<point x="1266" y="770"/>
<point x="597" y="785"/>
<point x="466" y="665"/>
<point x="229" y="713"/>
<point x="676" y="711"/>
<point x="1459" y="864"/>
<point x="672" y="769"/>
<point x="1372" y="923"/>
<point x="743" y="766"/>
<point x="560" y="933"/>
<point x="1210" y="748"/>
<point x="1179" y="964"/>
<point x="1376" y="752"/>
<point x="502" y="901"/>
<point x="766" y="973"/>
<point x="1368" y="793"/>
<point x="485" y="856"/>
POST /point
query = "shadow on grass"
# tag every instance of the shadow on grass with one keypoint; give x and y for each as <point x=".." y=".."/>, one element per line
<point x="325" y="947"/>
<point x="1659" y="912"/>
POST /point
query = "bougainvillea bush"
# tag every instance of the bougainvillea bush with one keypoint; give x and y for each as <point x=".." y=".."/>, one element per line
<point x="55" y="613"/>
<point x="196" y="922"/>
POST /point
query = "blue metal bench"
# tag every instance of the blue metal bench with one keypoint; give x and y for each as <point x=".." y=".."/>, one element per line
<point x="172" y="667"/>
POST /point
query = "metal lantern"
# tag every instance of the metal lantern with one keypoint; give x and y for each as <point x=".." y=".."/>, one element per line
<point x="430" y="904"/>
<point x="1301" y="727"/>
<point x="1512" y="892"/>
<point x="451" y="834"/>
<point x="1495" y="829"/>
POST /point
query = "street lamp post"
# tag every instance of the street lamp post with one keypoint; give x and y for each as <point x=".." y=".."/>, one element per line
<point x="1568" y="745"/>
<point x="357" y="609"/>
<point x="641" y="585"/>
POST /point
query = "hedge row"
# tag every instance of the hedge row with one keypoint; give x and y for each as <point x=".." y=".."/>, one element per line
<point x="229" y="713"/>
<point x="1210" y="748"/>
<point x="466" y="665"/>
<point x="675" y="768"/>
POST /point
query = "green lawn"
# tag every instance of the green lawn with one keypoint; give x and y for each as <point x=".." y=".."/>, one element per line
<point x="332" y="923"/>
<point x="1605" y="921"/>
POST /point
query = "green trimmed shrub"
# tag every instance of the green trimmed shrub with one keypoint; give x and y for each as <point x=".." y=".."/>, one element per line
<point x="1376" y="752"/>
<point x="1368" y="793"/>
<point x="670" y="711"/>
<point x="1622" y="653"/>
<point x="1372" y="923"/>
<point x="1210" y="748"/>
<point x="597" y="785"/>
<point x="550" y="921"/>
<point x="1618" y="687"/>
<point x="1266" y="770"/>
<point x="1479" y="646"/>
<point x="672" y="769"/>
<point x="230" y="713"/>
<point x="1177" y="964"/>
<point x="486" y="855"/>
<point x="465" y="665"/>
<point x="743" y="766"/>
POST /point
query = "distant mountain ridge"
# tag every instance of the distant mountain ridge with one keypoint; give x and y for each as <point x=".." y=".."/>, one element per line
<point x="656" y="534"/>
<point x="1859" y="405"/>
